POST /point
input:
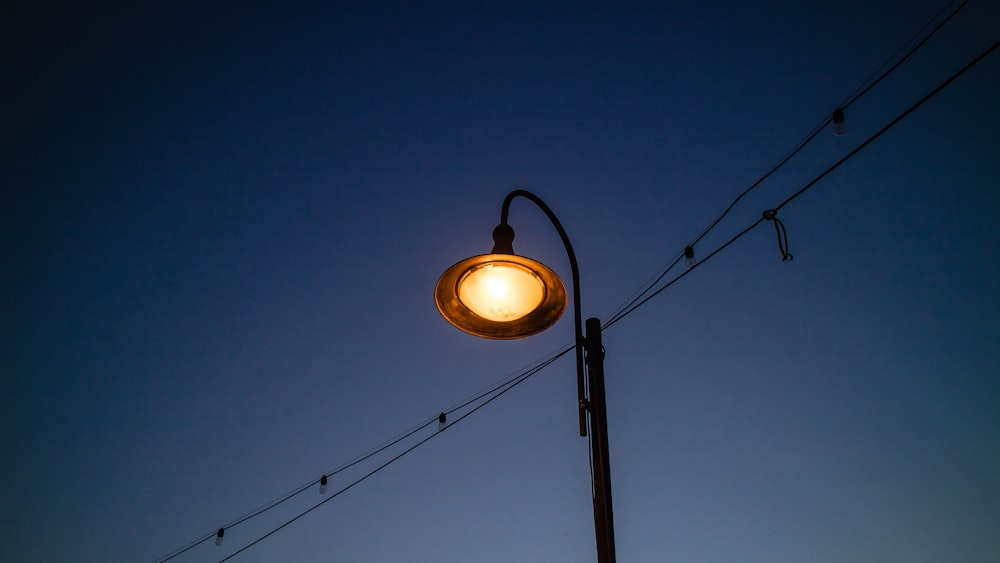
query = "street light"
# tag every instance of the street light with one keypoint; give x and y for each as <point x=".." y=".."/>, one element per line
<point x="504" y="296"/>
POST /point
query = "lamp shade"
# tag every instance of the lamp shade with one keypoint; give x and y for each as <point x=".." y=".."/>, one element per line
<point x="501" y="296"/>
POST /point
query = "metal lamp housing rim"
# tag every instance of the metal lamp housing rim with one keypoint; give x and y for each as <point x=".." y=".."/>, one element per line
<point x="461" y="317"/>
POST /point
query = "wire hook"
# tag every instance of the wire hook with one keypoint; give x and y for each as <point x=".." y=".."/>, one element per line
<point x="779" y="229"/>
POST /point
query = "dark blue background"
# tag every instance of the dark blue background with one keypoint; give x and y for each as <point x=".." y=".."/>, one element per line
<point x="222" y="225"/>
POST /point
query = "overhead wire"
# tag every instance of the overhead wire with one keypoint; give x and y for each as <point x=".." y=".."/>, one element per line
<point x="877" y="76"/>
<point x="298" y="490"/>
<point x="497" y="388"/>
<point x="370" y="453"/>
<point x="187" y="547"/>
<point x="892" y="123"/>
<point x="863" y="89"/>
<point x="812" y="182"/>
<point x="517" y="381"/>
<point x="490" y="389"/>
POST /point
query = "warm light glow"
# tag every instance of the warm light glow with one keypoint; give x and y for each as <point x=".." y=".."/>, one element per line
<point x="501" y="291"/>
<point x="502" y="296"/>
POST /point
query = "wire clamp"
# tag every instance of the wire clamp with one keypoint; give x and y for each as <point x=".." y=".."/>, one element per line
<point x="779" y="229"/>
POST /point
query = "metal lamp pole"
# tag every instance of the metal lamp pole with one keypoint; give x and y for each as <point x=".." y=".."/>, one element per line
<point x="589" y="349"/>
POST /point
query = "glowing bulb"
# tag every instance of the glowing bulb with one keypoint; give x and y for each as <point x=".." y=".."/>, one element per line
<point x="322" y="485"/>
<point x="218" y="536"/>
<point x="496" y="287"/>
<point x="501" y="291"/>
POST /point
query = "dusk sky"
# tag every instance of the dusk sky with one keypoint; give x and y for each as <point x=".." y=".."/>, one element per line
<point x="222" y="225"/>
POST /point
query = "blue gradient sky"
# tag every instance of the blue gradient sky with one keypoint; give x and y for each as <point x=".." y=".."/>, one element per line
<point x="222" y="226"/>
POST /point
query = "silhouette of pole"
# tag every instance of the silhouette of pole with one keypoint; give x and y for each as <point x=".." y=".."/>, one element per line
<point x="604" y="525"/>
<point x="591" y="408"/>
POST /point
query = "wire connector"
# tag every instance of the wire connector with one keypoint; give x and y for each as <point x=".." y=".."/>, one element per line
<point x="779" y="229"/>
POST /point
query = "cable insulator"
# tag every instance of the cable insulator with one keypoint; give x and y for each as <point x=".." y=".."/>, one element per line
<point x="838" y="122"/>
<point x="218" y="536"/>
<point x="322" y="485"/>
<point x="689" y="255"/>
<point x="442" y="421"/>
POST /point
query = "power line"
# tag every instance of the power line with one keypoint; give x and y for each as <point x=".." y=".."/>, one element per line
<point x="298" y="490"/>
<point x="495" y="389"/>
<point x="812" y="182"/>
<point x="892" y="123"/>
<point x="187" y="547"/>
<point x="678" y="277"/>
<point x="860" y="91"/>
<point x="520" y="379"/>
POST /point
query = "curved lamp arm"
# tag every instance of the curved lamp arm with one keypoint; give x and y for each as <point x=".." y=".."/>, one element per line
<point x="503" y="235"/>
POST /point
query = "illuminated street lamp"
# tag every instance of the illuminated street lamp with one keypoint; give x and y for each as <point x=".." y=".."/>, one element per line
<point x="501" y="295"/>
<point x="504" y="296"/>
